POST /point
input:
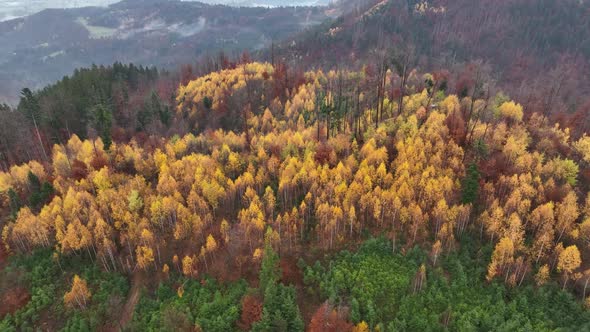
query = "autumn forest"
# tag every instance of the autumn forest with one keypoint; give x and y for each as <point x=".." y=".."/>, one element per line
<point x="244" y="193"/>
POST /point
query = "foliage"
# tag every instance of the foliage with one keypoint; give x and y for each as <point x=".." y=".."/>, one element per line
<point x="470" y="185"/>
<point x="280" y="311"/>
<point x="48" y="277"/>
<point x="375" y="284"/>
<point x="315" y="163"/>
<point x="208" y="304"/>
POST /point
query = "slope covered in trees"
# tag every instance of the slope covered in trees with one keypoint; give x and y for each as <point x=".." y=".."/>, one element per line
<point x="406" y="293"/>
<point x="41" y="48"/>
<point x="539" y="51"/>
<point x="285" y="162"/>
<point x="114" y="101"/>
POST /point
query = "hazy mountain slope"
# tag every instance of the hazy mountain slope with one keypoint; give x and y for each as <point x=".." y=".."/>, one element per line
<point x="10" y="9"/>
<point x="43" y="47"/>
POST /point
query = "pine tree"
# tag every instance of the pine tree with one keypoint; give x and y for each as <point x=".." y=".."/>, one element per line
<point x="470" y="185"/>
<point x="269" y="271"/>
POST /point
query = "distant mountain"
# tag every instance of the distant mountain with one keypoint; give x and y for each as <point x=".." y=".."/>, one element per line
<point x="10" y="9"/>
<point x="43" y="47"/>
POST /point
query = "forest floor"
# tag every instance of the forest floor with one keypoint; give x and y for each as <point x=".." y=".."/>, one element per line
<point x="132" y="299"/>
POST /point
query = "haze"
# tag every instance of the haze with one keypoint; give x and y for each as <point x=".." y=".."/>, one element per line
<point x="10" y="9"/>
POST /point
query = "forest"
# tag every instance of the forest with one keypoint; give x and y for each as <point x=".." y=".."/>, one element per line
<point x="248" y="224"/>
<point x="237" y="194"/>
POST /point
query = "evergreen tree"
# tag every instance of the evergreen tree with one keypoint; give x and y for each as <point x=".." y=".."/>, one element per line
<point x="470" y="185"/>
<point x="14" y="202"/>
<point x="270" y="271"/>
<point x="280" y="311"/>
<point x="102" y="120"/>
<point x="29" y="106"/>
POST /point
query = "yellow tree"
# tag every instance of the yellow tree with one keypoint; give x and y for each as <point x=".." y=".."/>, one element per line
<point x="542" y="276"/>
<point x="188" y="266"/>
<point x="252" y="220"/>
<point x="211" y="245"/>
<point x="224" y="229"/>
<point x="269" y="202"/>
<point x="175" y="260"/>
<point x="567" y="213"/>
<point x="511" y="110"/>
<point x="502" y="256"/>
<point x="569" y="261"/>
<point x="79" y="293"/>
<point x="145" y="256"/>
<point x="361" y="327"/>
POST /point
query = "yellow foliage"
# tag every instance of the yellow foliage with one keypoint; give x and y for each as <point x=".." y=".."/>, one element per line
<point x="511" y="110"/>
<point x="79" y="293"/>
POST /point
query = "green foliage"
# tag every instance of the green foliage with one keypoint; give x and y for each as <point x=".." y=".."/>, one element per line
<point x="280" y="311"/>
<point x="47" y="283"/>
<point x="372" y="280"/>
<point x="14" y="201"/>
<point x="153" y="109"/>
<point x="376" y="285"/>
<point x="102" y="119"/>
<point x="208" y="304"/>
<point x="29" y="105"/>
<point x="269" y="270"/>
<point x="40" y="193"/>
<point x="481" y="148"/>
<point x="207" y="102"/>
<point x="470" y="185"/>
<point x="68" y="103"/>
<point x="571" y="170"/>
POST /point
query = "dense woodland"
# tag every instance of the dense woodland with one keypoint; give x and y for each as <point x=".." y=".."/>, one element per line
<point x="538" y="50"/>
<point x="286" y="162"/>
<point x="243" y="195"/>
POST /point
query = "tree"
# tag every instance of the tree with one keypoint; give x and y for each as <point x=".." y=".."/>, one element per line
<point x="102" y="119"/>
<point x="503" y="255"/>
<point x="566" y="214"/>
<point x="511" y="110"/>
<point x="269" y="270"/>
<point x="79" y="293"/>
<point x="29" y="106"/>
<point x="329" y="319"/>
<point x="188" y="266"/>
<point x="280" y="311"/>
<point x="251" y="312"/>
<point x="542" y="275"/>
<point x="145" y="257"/>
<point x="14" y="202"/>
<point x="435" y="252"/>
<point x="470" y="185"/>
<point x="361" y="327"/>
<point x="569" y="261"/>
<point x="403" y="60"/>
<point x="583" y="148"/>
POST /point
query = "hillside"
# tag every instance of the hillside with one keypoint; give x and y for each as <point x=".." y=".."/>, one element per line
<point x="537" y="51"/>
<point x="393" y="165"/>
<point x="465" y="196"/>
<point x="42" y="48"/>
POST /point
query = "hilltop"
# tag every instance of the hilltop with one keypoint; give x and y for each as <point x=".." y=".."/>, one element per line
<point x="42" y="48"/>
